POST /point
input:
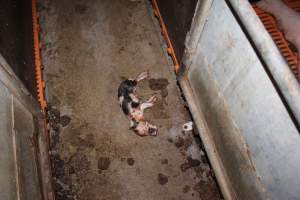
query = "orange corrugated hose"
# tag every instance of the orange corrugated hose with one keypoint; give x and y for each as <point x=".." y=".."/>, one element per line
<point x="40" y="84"/>
<point x="271" y="25"/>
<point x="165" y="33"/>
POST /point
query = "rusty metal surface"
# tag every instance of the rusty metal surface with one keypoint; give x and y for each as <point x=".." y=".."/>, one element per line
<point x="236" y="106"/>
<point x="43" y="159"/>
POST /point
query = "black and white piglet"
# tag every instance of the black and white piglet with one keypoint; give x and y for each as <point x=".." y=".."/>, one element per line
<point x="133" y="108"/>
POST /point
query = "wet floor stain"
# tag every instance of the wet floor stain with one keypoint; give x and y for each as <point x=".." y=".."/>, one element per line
<point x="80" y="8"/>
<point x="185" y="143"/>
<point x="159" y="110"/>
<point x="170" y="140"/>
<point x="202" y="187"/>
<point x="158" y="83"/>
<point x="103" y="163"/>
<point x="122" y="78"/>
<point x="189" y="164"/>
<point x="165" y="161"/>
<point x="53" y="115"/>
<point x="130" y="161"/>
<point x="164" y="93"/>
<point x="179" y="142"/>
<point x="55" y="118"/>
<point x="83" y="143"/>
<point x="79" y="163"/>
<point x="65" y="120"/>
<point x="186" y="189"/>
<point x="162" y="179"/>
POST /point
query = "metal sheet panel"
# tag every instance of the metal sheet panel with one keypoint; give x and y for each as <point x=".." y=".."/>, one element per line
<point x="26" y="161"/>
<point x="7" y="163"/>
<point x="254" y="135"/>
<point x="18" y="161"/>
<point x="275" y="63"/>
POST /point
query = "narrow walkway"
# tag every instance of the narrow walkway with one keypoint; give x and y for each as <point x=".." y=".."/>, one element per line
<point x="89" y="47"/>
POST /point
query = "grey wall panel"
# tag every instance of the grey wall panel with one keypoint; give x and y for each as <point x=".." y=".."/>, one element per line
<point x="255" y="137"/>
<point x="18" y="169"/>
<point x="225" y="134"/>
<point x="28" y="174"/>
<point x="7" y="163"/>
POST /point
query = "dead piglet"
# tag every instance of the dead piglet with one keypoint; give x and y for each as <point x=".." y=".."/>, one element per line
<point x="133" y="108"/>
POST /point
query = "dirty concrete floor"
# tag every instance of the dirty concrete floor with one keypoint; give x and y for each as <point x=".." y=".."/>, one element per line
<point x="88" y="48"/>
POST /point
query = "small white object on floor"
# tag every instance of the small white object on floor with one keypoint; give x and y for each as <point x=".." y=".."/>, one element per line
<point x="187" y="126"/>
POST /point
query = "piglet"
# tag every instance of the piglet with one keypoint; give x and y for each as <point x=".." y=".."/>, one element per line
<point x="133" y="108"/>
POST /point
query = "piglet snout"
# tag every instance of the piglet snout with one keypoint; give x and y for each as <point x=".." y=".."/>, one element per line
<point x="152" y="131"/>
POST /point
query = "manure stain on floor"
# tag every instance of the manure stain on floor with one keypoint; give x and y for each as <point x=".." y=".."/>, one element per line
<point x="104" y="163"/>
<point x="162" y="179"/>
<point x="130" y="161"/>
<point x="186" y="189"/>
<point x="165" y="161"/>
<point x="80" y="8"/>
<point x="158" y="83"/>
<point x="189" y="164"/>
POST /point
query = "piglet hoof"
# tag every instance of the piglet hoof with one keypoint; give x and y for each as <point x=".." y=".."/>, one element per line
<point x="153" y="99"/>
<point x="142" y="76"/>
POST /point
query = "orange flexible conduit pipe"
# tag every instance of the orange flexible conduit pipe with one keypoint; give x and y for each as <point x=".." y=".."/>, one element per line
<point x="40" y="84"/>
<point x="284" y="46"/>
<point x="165" y="34"/>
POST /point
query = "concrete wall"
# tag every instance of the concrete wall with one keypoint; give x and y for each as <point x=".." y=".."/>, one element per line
<point x="16" y="40"/>
<point x="251" y="139"/>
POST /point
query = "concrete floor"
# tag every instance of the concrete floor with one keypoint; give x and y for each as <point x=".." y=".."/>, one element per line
<point x="88" y="48"/>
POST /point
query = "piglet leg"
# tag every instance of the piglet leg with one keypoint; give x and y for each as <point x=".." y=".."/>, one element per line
<point x="149" y="103"/>
<point x="142" y="76"/>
